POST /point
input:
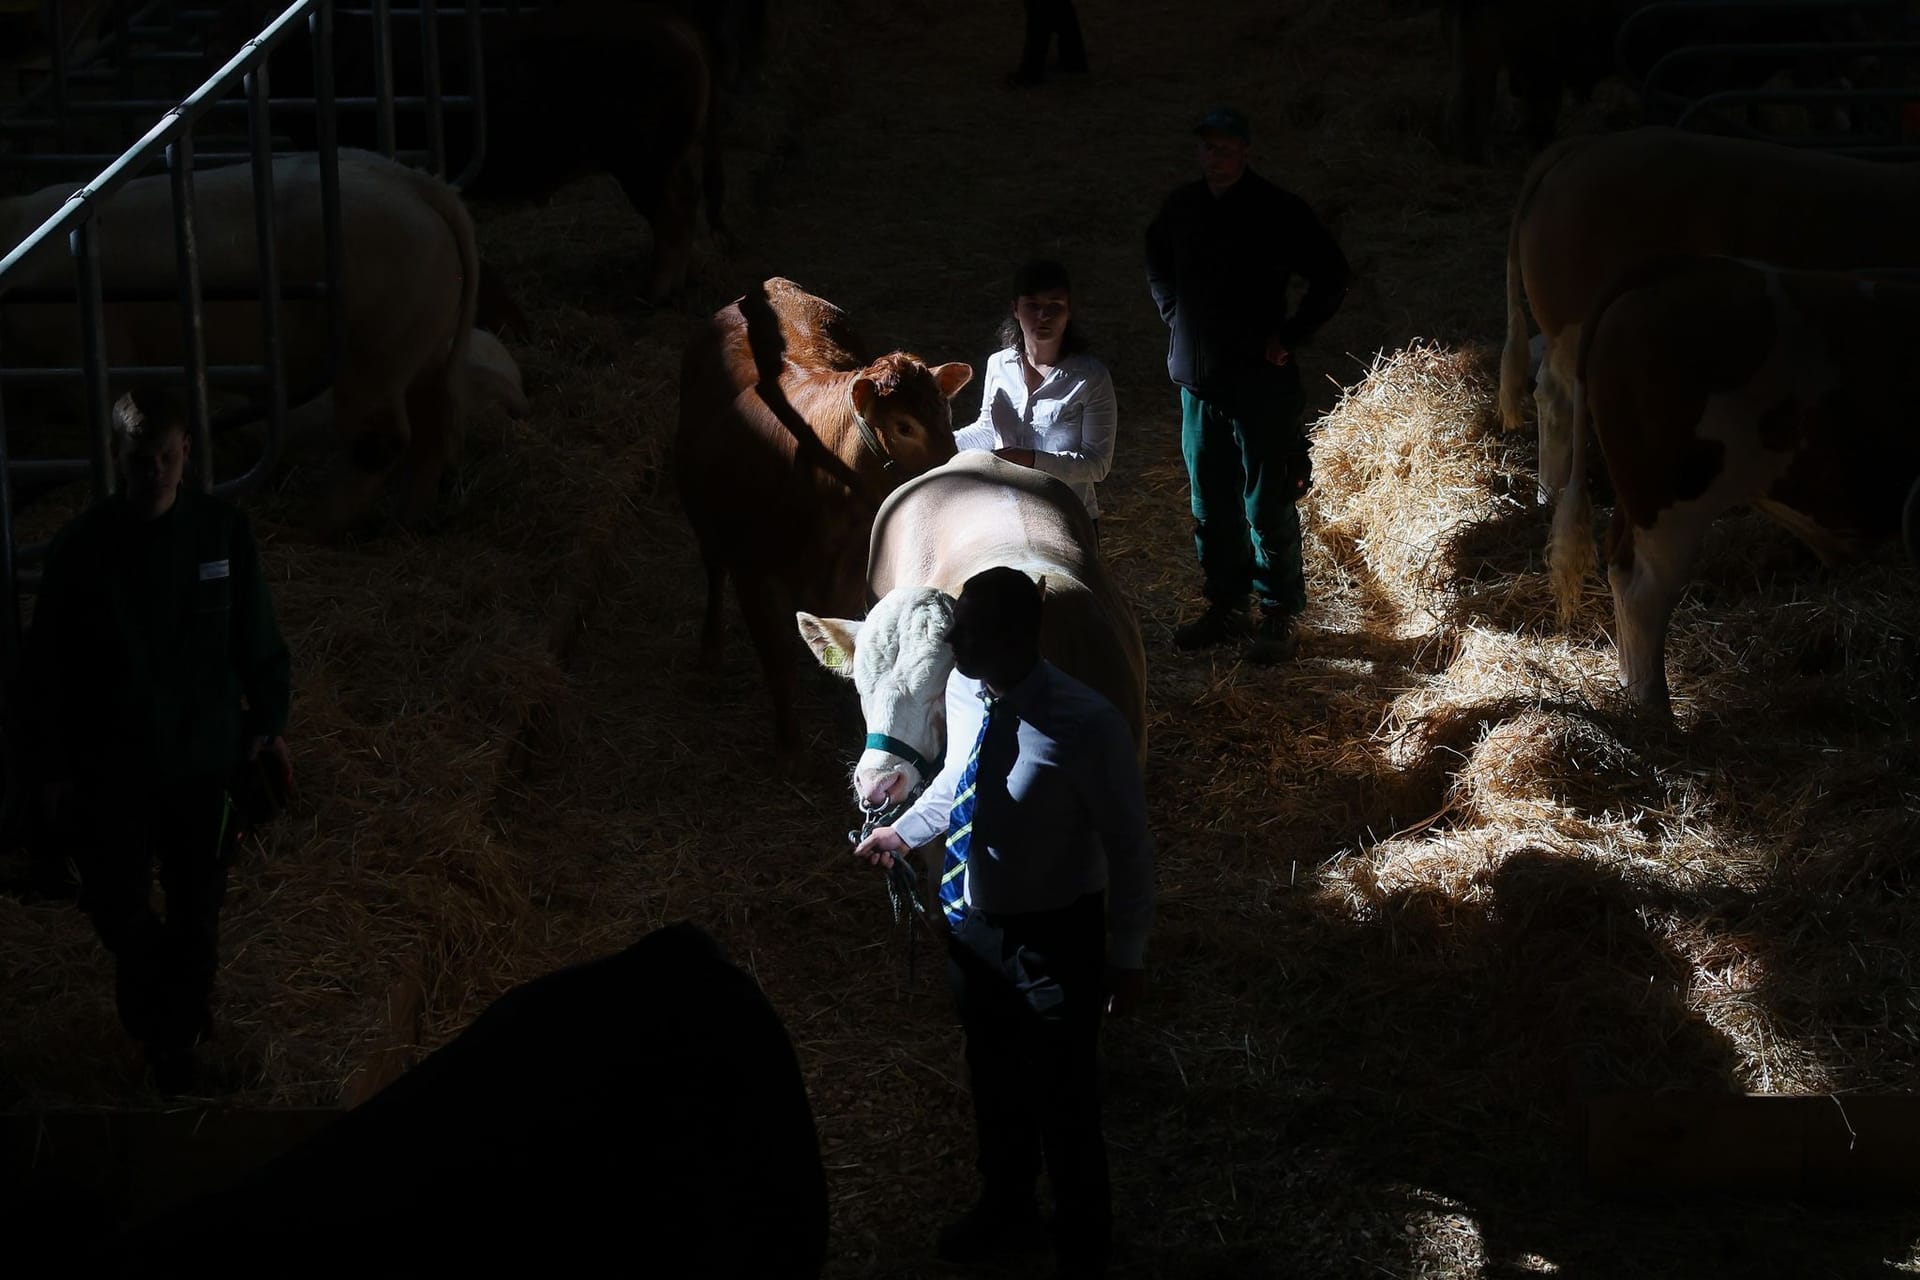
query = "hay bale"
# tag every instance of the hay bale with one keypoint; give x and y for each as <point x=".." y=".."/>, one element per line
<point x="1408" y="468"/>
<point x="1540" y="764"/>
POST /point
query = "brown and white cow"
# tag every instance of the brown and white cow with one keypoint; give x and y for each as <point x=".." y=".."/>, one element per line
<point x="790" y="439"/>
<point x="410" y="272"/>
<point x="1711" y="383"/>
<point x="1593" y="208"/>
<point x="976" y="512"/>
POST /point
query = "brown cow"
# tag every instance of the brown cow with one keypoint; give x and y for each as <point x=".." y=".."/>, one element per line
<point x="790" y="438"/>
<point x="1593" y="208"/>
<point x="1710" y="383"/>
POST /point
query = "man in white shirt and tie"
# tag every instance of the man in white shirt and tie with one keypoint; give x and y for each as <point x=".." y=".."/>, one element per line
<point x="1048" y="890"/>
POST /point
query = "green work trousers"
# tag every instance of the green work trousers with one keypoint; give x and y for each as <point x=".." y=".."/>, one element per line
<point x="1246" y="455"/>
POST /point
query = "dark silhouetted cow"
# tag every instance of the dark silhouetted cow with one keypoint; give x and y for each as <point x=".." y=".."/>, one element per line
<point x="641" y="1114"/>
<point x="572" y="88"/>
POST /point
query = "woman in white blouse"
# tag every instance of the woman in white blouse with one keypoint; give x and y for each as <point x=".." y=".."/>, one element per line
<point x="1044" y="402"/>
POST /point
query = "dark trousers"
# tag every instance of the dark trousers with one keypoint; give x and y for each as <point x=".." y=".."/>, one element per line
<point x="1031" y="990"/>
<point x="1242" y="450"/>
<point x="163" y="969"/>
<point x="1045" y="20"/>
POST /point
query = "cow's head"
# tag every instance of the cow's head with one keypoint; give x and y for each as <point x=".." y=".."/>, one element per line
<point x="904" y="410"/>
<point x="899" y="660"/>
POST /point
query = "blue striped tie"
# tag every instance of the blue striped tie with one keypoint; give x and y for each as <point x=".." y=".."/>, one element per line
<point x="953" y="879"/>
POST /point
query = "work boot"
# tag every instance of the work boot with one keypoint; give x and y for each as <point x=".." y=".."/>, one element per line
<point x="1276" y="639"/>
<point x="987" y="1231"/>
<point x="1220" y="623"/>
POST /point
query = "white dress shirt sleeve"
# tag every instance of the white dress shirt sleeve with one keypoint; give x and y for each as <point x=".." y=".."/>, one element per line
<point x="1119" y="806"/>
<point x="927" y="820"/>
<point x="979" y="434"/>
<point x="1092" y="458"/>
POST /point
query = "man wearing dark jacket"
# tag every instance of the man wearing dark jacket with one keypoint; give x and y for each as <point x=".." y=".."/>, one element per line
<point x="1220" y="256"/>
<point x="154" y="668"/>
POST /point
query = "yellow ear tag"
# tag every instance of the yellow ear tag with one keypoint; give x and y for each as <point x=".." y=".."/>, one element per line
<point x="833" y="658"/>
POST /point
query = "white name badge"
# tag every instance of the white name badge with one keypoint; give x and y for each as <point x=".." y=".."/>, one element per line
<point x="211" y="569"/>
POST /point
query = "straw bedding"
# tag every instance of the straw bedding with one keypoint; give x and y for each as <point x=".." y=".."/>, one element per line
<point x="1421" y="892"/>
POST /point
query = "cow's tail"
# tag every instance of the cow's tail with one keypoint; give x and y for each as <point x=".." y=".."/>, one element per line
<point x="1516" y="365"/>
<point x="1570" y="544"/>
<point x="438" y="398"/>
<point x="446" y="202"/>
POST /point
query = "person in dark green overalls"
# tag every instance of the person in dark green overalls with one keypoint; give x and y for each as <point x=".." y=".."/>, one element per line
<point x="1220" y="256"/>
<point x="153" y="669"/>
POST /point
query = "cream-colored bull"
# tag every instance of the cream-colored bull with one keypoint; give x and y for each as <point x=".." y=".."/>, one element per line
<point x="975" y="512"/>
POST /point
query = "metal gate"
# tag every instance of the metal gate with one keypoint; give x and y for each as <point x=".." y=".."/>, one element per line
<point x="47" y="131"/>
<point x="1677" y="85"/>
<point x="144" y="60"/>
<point x="171" y="142"/>
<point x="55" y="130"/>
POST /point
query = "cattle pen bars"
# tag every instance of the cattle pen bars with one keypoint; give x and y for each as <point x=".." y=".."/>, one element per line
<point x="1894" y="56"/>
<point x="77" y="219"/>
<point x="56" y="101"/>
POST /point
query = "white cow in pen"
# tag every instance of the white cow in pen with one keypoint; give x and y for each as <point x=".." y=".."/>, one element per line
<point x="410" y="268"/>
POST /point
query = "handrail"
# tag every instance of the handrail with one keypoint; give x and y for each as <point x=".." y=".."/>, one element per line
<point x="1649" y="16"/>
<point x="171" y="138"/>
<point x="1651" y="87"/>
<point x="33" y="115"/>
<point x="1839" y="145"/>
<point x="80" y="205"/>
<point x="1687" y="109"/>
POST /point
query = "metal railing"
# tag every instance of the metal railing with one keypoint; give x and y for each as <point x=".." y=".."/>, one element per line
<point x="432" y="101"/>
<point x="120" y="48"/>
<point x="51" y="108"/>
<point x="172" y="140"/>
<point x="1655" y="82"/>
<point x="78" y="89"/>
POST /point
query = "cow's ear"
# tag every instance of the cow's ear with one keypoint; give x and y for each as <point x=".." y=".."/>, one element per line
<point x="952" y="377"/>
<point x="832" y="641"/>
<point x="863" y="393"/>
<point x="1040" y="584"/>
